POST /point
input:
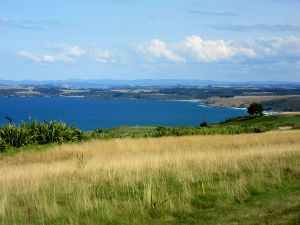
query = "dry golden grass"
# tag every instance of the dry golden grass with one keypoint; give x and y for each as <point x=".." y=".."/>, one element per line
<point x="131" y="162"/>
<point x="290" y="113"/>
<point x="125" y="156"/>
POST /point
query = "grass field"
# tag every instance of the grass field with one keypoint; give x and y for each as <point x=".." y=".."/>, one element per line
<point x="227" y="179"/>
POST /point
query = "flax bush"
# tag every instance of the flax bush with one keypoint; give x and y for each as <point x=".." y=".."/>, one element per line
<point x="36" y="133"/>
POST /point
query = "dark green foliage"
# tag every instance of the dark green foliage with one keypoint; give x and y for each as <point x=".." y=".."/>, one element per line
<point x="37" y="133"/>
<point x="255" y="109"/>
<point x="185" y="131"/>
<point x="161" y="131"/>
<point x="3" y="145"/>
<point x="204" y="124"/>
<point x="238" y="119"/>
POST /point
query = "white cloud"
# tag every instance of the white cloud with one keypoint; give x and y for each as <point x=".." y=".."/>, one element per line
<point x="244" y="52"/>
<point x="195" y="49"/>
<point x="63" y="53"/>
<point x="69" y="53"/>
<point x="38" y="58"/>
<point x="205" y="51"/>
<point x="159" y="49"/>
<point x="72" y="51"/>
<point x="287" y="46"/>
<point x="102" y="56"/>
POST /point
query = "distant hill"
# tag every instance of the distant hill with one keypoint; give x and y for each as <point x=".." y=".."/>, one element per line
<point x="291" y="104"/>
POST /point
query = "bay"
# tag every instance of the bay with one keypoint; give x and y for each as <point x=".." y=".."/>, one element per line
<point x="89" y="114"/>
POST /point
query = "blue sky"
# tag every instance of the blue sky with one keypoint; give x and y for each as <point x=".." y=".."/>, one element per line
<point x="229" y="40"/>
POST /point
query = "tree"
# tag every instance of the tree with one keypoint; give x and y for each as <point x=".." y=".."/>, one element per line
<point x="204" y="124"/>
<point x="255" y="109"/>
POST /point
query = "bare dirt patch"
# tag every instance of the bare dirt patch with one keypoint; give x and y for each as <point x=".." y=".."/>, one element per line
<point x="285" y="128"/>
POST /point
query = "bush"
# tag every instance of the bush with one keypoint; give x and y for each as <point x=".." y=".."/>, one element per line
<point x="256" y="129"/>
<point x="203" y="124"/>
<point x="35" y="132"/>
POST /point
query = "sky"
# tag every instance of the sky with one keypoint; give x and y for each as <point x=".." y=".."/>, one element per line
<point x="229" y="40"/>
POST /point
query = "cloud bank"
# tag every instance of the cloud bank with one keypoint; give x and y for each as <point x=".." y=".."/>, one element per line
<point x="194" y="49"/>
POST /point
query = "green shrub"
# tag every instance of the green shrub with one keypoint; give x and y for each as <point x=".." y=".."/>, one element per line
<point x="186" y="131"/>
<point x="3" y="145"/>
<point x="35" y="132"/>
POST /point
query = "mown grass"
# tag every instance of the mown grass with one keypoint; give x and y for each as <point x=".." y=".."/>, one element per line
<point x="231" y="179"/>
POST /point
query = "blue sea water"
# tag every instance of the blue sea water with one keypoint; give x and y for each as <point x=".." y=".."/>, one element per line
<point x="89" y="114"/>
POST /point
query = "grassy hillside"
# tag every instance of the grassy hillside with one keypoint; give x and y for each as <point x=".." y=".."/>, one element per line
<point x="231" y="179"/>
<point x="271" y="122"/>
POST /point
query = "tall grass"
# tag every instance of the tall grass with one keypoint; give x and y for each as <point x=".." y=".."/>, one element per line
<point x="38" y="133"/>
<point x="234" y="179"/>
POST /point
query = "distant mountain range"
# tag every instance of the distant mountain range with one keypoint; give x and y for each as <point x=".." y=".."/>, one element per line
<point x="108" y="83"/>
